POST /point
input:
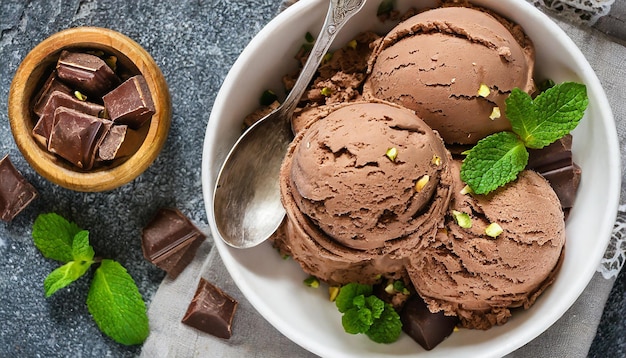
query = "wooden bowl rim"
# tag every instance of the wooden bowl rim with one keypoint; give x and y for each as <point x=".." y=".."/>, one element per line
<point x="45" y="163"/>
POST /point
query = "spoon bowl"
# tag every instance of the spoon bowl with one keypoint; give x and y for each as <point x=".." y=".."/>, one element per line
<point x="246" y="200"/>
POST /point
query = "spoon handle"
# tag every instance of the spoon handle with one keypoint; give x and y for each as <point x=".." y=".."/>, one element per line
<point x="339" y="12"/>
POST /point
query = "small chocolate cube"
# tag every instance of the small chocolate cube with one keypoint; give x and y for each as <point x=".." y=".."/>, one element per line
<point x="426" y="328"/>
<point x="170" y="241"/>
<point x="116" y="143"/>
<point x="15" y="191"/>
<point x="57" y="99"/>
<point x="52" y="84"/>
<point x="76" y="136"/>
<point x="211" y="310"/>
<point x="130" y="103"/>
<point x="88" y="73"/>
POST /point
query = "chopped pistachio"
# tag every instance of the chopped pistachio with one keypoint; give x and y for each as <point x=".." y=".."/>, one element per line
<point x="352" y="44"/>
<point x="333" y="292"/>
<point x="326" y="91"/>
<point x="80" y="96"/>
<point x="268" y="97"/>
<point x="466" y="190"/>
<point x="495" y="113"/>
<point x="493" y="230"/>
<point x="456" y="329"/>
<point x="398" y="286"/>
<point x="312" y="281"/>
<point x="421" y="182"/>
<point x="385" y="7"/>
<point x="462" y="219"/>
<point x="98" y="53"/>
<point x="327" y="57"/>
<point x="392" y="153"/>
<point x="111" y="61"/>
<point x="389" y="289"/>
<point x="436" y="160"/>
<point x="483" y="90"/>
<point x="309" y="37"/>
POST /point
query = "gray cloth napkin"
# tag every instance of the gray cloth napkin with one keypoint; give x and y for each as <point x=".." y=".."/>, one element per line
<point x="571" y="336"/>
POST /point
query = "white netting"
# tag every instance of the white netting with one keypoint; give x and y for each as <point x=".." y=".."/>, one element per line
<point x="615" y="255"/>
<point x="579" y="11"/>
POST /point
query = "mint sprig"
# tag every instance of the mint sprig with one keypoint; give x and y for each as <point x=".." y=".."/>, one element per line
<point x="498" y="158"/>
<point x="113" y="300"/>
<point x="365" y="313"/>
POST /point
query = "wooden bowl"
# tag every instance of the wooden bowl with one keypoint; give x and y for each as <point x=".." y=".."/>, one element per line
<point x="32" y="73"/>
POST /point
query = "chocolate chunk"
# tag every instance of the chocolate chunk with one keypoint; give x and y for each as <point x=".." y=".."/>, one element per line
<point x="211" y="310"/>
<point x="15" y="191"/>
<point x="57" y="99"/>
<point x="130" y="103"/>
<point x="87" y="73"/>
<point x="170" y="241"/>
<point x="426" y="328"/>
<point x="52" y="84"/>
<point x="119" y="142"/>
<point x="76" y="136"/>
<point x="554" y="162"/>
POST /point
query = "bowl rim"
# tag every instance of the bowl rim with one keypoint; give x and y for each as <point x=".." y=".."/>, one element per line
<point x="522" y="337"/>
<point x="106" y="178"/>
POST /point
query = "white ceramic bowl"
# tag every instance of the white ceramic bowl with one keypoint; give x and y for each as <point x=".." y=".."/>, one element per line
<point x="274" y="286"/>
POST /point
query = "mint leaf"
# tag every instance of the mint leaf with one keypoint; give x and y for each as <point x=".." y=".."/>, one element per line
<point x="347" y="293"/>
<point x="116" y="305"/>
<point x="376" y="305"/>
<point x="64" y="275"/>
<point x="356" y="320"/>
<point x="494" y="161"/>
<point x="53" y="236"/>
<point x="81" y="250"/>
<point x="387" y="328"/>
<point x="551" y="115"/>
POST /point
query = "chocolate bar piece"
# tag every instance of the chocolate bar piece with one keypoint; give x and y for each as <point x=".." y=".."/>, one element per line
<point x="130" y="103"/>
<point x="52" y="84"/>
<point x="555" y="163"/>
<point x="87" y="73"/>
<point x="15" y="191"/>
<point x="170" y="241"/>
<point x="426" y="328"/>
<point x="211" y="310"/>
<point x="57" y="99"/>
<point x="76" y="136"/>
<point x="116" y="143"/>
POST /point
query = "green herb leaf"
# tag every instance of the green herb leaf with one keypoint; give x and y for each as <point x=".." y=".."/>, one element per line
<point x="347" y="293"/>
<point x="355" y="320"/>
<point x="493" y="162"/>
<point x="81" y="250"/>
<point x="116" y="305"/>
<point x="385" y="7"/>
<point x="54" y="235"/>
<point x="376" y="305"/>
<point x="64" y="275"/>
<point x="551" y="115"/>
<point x="387" y="328"/>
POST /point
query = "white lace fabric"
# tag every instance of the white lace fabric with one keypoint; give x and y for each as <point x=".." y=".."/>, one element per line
<point x="615" y="255"/>
<point x="585" y="12"/>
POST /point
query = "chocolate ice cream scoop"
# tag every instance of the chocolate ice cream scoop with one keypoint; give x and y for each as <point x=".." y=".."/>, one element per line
<point x="362" y="187"/>
<point x="479" y="277"/>
<point x="454" y="66"/>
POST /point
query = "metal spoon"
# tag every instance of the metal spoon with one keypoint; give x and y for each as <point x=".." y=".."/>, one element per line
<point x="246" y="200"/>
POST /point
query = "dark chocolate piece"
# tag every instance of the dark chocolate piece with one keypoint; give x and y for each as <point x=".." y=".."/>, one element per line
<point x="554" y="162"/>
<point x="211" y="310"/>
<point x="130" y="103"/>
<point x="15" y="191"/>
<point x="57" y="99"/>
<point x="565" y="183"/>
<point x="51" y="85"/>
<point x="87" y="73"/>
<point x="119" y="142"/>
<point x="553" y="156"/>
<point x="76" y="136"/>
<point x="170" y="241"/>
<point x="426" y="328"/>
